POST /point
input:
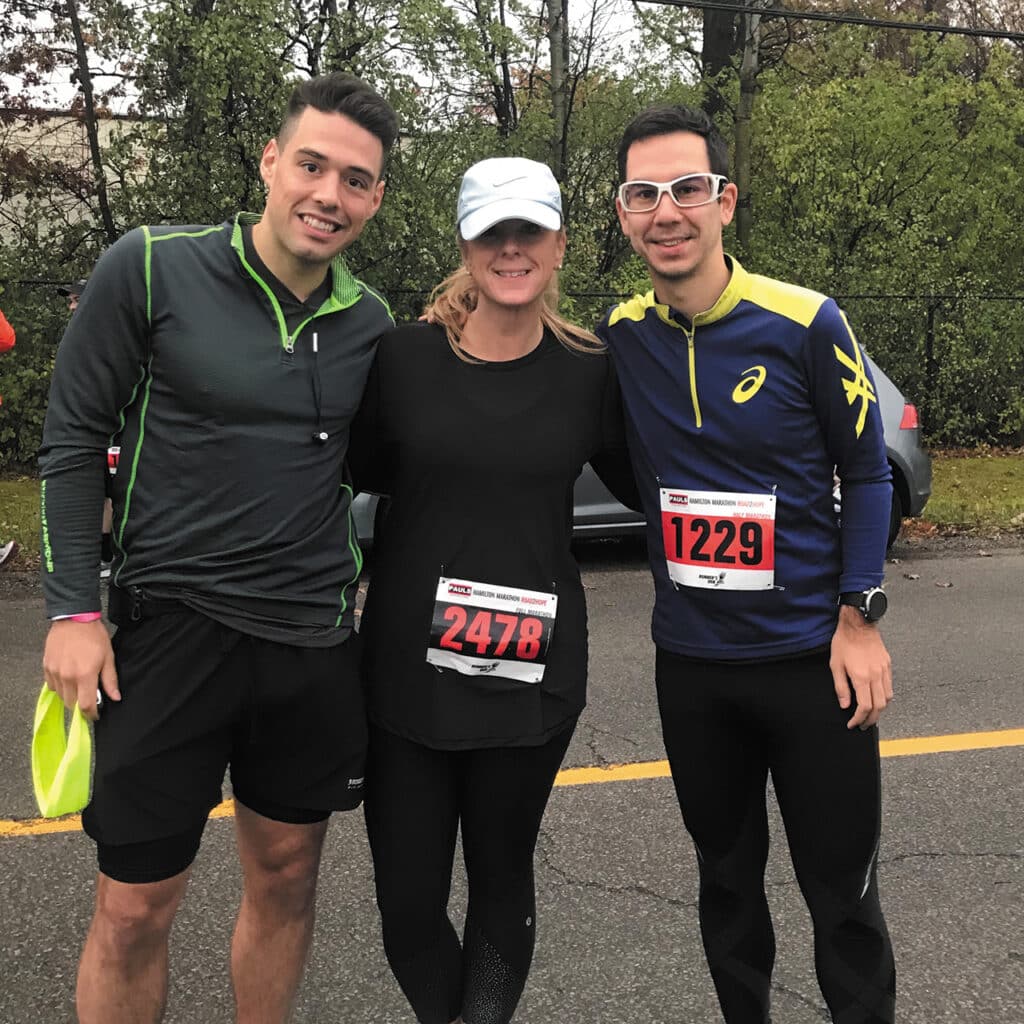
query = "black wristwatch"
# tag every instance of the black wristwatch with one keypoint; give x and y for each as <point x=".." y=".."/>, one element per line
<point x="871" y="603"/>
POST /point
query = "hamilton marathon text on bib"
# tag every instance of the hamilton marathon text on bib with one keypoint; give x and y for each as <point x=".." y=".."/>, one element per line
<point x="719" y="539"/>
<point x="484" y="629"/>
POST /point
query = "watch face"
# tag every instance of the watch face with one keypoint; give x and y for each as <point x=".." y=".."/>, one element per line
<point x="875" y="605"/>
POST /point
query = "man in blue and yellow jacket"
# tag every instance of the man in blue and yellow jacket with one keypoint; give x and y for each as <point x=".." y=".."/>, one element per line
<point x="743" y="394"/>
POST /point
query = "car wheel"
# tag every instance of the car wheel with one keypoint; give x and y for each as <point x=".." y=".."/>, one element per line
<point x="895" y="515"/>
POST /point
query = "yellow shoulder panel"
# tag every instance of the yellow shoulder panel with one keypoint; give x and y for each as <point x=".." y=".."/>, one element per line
<point x="789" y="300"/>
<point x="633" y="309"/>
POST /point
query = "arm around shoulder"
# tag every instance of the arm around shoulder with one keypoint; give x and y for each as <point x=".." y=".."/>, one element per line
<point x="612" y="463"/>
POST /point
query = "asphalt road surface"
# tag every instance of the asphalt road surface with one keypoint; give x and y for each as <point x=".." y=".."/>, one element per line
<point x="617" y="940"/>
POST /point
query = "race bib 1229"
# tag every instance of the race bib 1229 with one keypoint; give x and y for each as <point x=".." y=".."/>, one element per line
<point x="719" y="540"/>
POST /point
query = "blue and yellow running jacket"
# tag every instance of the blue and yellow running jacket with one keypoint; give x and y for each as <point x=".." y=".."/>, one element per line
<point x="735" y="423"/>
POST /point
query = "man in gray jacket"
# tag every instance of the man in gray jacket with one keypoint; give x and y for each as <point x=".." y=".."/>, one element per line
<point x="227" y="361"/>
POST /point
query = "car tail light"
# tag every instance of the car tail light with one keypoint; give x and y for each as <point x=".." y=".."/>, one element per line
<point x="910" y="420"/>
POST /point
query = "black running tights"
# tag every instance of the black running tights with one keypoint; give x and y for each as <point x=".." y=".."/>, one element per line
<point x="725" y="728"/>
<point x="416" y="799"/>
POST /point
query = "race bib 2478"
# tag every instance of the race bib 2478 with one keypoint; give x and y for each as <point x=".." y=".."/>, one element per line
<point x="487" y="629"/>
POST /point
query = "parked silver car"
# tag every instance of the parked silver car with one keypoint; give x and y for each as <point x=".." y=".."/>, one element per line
<point x="910" y="462"/>
<point x="597" y="514"/>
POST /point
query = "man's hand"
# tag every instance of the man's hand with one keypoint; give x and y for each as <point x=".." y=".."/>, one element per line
<point x="859" y="658"/>
<point x="77" y="659"/>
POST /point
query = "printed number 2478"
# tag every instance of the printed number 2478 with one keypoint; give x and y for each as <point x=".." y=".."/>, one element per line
<point x="492" y="632"/>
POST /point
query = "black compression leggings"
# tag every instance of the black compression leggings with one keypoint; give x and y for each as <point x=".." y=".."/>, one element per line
<point x="416" y="799"/>
<point x="726" y="727"/>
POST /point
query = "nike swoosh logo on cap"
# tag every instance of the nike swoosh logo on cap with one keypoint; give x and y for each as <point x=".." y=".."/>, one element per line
<point x="502" y="184"/>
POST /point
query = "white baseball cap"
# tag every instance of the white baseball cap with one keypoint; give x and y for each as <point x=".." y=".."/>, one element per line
<point x="508" y="188"/>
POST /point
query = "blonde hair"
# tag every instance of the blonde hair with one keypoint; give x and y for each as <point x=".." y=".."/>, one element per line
<point x="452" y="301"/>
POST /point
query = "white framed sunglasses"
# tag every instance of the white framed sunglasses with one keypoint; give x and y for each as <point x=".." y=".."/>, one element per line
<point x="689" y="190"/>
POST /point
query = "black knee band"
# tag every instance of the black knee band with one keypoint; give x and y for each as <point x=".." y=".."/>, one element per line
<point x="151" y="861"/>
<point x="279" y="812"/>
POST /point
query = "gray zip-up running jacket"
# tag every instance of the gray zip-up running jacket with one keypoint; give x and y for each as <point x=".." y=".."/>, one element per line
<point x="230" y="494"/>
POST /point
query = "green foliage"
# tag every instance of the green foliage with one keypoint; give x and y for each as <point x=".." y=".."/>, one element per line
<point x="214" y="88"/>
<point x="887" y="170"/>
<point x="38" y="318"/>
<point x="875" y="181"/>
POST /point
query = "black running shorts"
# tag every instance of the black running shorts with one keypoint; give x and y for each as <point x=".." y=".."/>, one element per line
<point x="198" y="698"/>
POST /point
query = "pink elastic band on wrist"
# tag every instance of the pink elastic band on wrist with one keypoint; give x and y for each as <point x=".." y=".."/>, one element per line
<point x="86" y="617"/>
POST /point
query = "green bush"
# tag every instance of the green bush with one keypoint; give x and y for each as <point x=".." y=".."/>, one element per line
<point x="38" y="316"/>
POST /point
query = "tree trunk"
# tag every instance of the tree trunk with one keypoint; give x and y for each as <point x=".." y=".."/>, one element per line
<point x="720" y="44"/>
<point x="558" y="38"/>
<point x="504" y="93"/>
<point x="194" y="119"/>
<point x="744" y="128"/>
<point x="91" y="128"/>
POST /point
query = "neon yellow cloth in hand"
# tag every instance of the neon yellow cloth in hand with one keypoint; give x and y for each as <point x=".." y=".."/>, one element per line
<point x="60" y="761"/>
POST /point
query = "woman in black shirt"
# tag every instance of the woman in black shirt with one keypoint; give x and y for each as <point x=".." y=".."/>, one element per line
<point x="477" y="424"/>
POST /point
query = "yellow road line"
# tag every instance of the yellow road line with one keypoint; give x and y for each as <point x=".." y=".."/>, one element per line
<point x="613" y="773"/>
<point x="954" y="742"/>
<point x="73" y="823"/>
<point x="40" y="826"/>
<point x="889" y="748"/>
